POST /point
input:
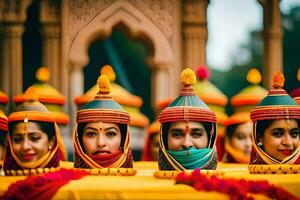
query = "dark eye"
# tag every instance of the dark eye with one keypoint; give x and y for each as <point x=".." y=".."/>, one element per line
<point x="197" y="133"/>
<point x="240" y="137"/>
<point x="111" y="133"/>
<point x="35" y="138"/>
<point x="176" y="134"/>
<point x="277" y="133"/>
<point x="18" y="139"/>
<point x="295" y="133"/>
<point x="90" y="134"/>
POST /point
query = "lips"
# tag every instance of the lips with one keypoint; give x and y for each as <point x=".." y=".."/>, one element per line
<point x="28" y="156"/>
<point x="286" y="152"/>
<point x="102" y="152"/>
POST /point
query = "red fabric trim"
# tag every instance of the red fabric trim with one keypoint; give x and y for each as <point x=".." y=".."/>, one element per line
<point x="94" y="115"/>
<point x="235" y="188"/>
<point x="43" y="186"/>
<point x="107" y="159"/>
<point x="175" y="114"/>
<point x="274" y="112"/>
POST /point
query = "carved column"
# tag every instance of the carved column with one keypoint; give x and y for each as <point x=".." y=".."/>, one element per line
<point x="194" y="32"/>
<point x="272" y="35"/>
<point x="13" y="14"/>
<point x="50" y="32"/>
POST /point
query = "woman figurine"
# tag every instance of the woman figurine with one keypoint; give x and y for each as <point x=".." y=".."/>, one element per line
<point x="102" y="135"/>
<point x="276" y="131"/>
<point x="238" y="133"/>
<point x="188" y="131"/>
<point x="33" y="140"/>
<point x="238" y="142"/>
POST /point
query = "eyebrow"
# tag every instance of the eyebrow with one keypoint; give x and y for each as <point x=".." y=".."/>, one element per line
<point x="21" y="134"/>
<point x="192" y="129"/>
<point x="95" y="129"/>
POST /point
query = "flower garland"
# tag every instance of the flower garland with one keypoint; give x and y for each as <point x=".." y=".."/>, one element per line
<point x="42" y="186"/>
<point x="236" y="189"/>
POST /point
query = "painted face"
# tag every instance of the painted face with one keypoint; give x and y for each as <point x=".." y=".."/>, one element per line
<point x="184" y="135"/>
<point x="281" y="138"/>
<point x="154" y="147"/>
<point x="101" y="138"/>
<point x="29" y="142"/>
<point x="241" y="139"/>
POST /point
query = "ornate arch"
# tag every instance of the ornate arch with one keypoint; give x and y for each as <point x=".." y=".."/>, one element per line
<point x="138" y="24"/>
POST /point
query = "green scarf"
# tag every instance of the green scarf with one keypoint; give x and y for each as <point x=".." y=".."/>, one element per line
<point x="192" y="158"/>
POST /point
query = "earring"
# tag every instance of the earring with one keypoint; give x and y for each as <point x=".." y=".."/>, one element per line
<point x="49" y="148"/>
<point x="260" y="144"/>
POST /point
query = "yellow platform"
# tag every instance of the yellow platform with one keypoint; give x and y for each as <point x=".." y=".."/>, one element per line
<point x="145" y="186"/>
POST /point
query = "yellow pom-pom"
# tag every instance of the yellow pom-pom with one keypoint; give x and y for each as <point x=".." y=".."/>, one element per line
<point x="42" y="74"/>
<point x="109" y="71"/>
<point x="31" y="94"/>
<point x="298" y="74"/>
<point x="278" y="80"/>
<point x="253" y="76"/>
<point x="104" y="84"/>
<point x="188" y="77"/>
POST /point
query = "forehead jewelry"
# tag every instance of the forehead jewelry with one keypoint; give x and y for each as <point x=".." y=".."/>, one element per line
<point x="101" y="127"/>
<point x="25" y="124"/>
<point x="187" y="128"/>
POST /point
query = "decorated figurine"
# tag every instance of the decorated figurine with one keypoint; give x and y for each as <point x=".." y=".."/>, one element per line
<point x="276" y="142"/>
<point x="238" y="142"/>
<point x="34" y="142"/>
<point x="101" y="138"/>
<point x="188" y="131"/>
<point x="131" y="103"/>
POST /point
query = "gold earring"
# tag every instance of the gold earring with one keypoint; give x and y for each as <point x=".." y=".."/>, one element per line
<point x="49" y="148"/>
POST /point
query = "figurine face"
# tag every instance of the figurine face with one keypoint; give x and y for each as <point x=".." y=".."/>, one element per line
<point x="29" y="142"/>
<point x="281" y="138"/>
<point x="184" y="135"/>
<point x="154" y="146"/>
<point x="241" y="138"/>
<point x="101" y="138"/>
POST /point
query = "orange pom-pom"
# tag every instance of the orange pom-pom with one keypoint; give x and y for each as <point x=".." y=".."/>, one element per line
<point x="42" y="74"/>
<point x="278" y="80"/>
<point x="108" y="71"/>
<point x="188" y="77"/>
<point x="253" y="76"/>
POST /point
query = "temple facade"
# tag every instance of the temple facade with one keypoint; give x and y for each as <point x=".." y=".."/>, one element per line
<point x="174" y="32"/>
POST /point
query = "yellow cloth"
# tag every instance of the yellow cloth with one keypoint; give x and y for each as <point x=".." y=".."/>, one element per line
<point x="145" y="186"/>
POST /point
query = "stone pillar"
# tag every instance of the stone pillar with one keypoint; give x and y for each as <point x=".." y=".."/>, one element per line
<point x="50" y="32"/>
<point x="272" y="35"/>
<point x="194" y="28"/>
<point x="160" y="84"/>
<point x="13" y="15"/>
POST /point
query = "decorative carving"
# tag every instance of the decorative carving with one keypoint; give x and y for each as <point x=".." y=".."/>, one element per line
<point x="50" y="11"/>
<point x="161" y="13"/>
<point x="14" y="10"/>
<point x="83" y="11"/>
<point x="50" y="31"/>
<point x="12" y="30"/>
